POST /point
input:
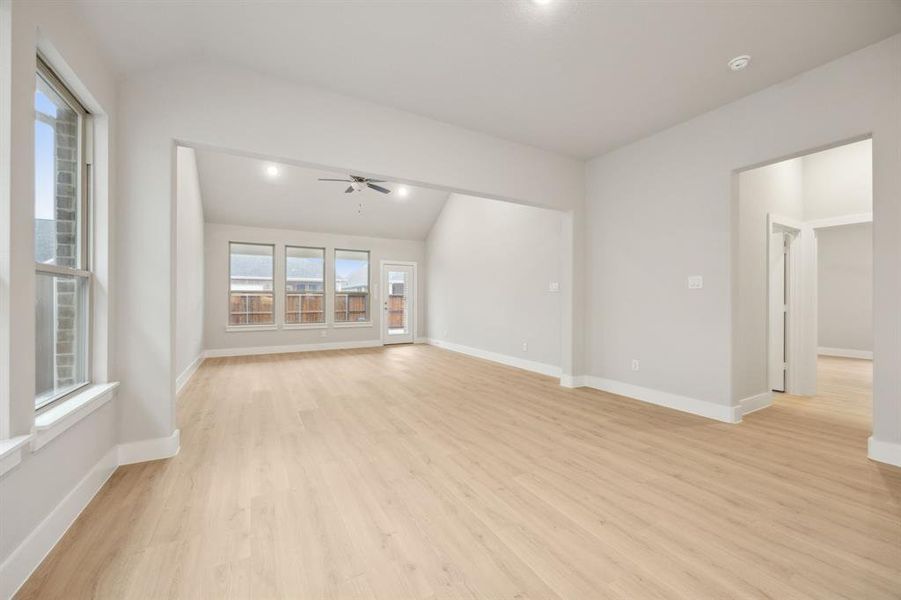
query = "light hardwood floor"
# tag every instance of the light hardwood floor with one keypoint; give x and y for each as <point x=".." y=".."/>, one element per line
<point x="414" y="472"/>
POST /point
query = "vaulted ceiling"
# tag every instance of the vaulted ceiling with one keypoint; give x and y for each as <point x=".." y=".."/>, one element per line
<point x="576" y="77"/>
<point x="238" y="190"/>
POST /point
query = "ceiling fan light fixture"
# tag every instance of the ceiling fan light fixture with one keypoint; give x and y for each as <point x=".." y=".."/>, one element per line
<point x="272" y="171"/>
<point x="359" y="183"/>
<point x="403" y="191"/>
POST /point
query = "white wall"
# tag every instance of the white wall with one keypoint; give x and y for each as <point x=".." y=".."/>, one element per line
<point x="665" y="207"/>
<point x="839" y="181"/>
<point x="489" y="265"/>
<point x="845" y="287"/>
<point x="189" y="267"/>
<point x="777" y="189"/>
<point x="217" y="239"/>
<point x="242" y="110"/>
<point x="34" y="488"/>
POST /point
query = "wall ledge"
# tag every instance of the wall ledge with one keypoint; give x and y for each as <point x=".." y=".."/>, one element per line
<point x="11" y="452"/>
<point x="51" y="423"/>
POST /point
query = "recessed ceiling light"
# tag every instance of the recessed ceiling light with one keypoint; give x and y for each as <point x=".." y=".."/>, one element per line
<point x="403" y="191"/>
<point x="739" y="62"/>
<point x="541" y="2"/>
<point x="271" y="170"/>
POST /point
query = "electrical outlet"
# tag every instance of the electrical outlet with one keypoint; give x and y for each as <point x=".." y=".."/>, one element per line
<point x="635" y="364"/>
<point x="553" y="286"/>
<point x="695" y="282"/>
<point x="525" y="346"/>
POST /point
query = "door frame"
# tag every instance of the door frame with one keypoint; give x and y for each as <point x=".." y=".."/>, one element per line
<point x="801" y="305"/>
<point x="802" y="332"/>
<point x="779" y="275"/>
<point x="383" y="296"/>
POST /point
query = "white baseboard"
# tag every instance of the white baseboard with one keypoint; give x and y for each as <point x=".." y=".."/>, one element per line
<point x="19" y="566"/>
<point x="572" y="381"/>
<point x="845" y="352"/>
<point x="703" y="408"/>
<point x="255" y="350"/>
<point x="754" y="403"/>
<point x="885" y="452"/>
<point x="504" y="359"/>
<point x="421" y="340"/>
<point x="153" y="449"/>
<point x="186" y="375"/>
<point x="22" y="562"/>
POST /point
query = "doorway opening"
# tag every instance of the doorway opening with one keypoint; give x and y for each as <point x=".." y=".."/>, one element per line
<point x="805" y="270"/>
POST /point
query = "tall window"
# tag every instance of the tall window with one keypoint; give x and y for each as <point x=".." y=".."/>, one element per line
<point x="351" y="286"/>
<point x="63" y="276"/>
<point x="304" y="285"/>
<point x="250" y="295"/>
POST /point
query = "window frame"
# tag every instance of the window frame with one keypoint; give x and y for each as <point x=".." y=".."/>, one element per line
<point x="325" y="308"/>
<point x="250" y="326"/>
<point x="85" y="241"/>
<point x="368" y="321"/>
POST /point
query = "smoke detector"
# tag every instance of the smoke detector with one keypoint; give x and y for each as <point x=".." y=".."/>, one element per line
<point x="739" y="62"/>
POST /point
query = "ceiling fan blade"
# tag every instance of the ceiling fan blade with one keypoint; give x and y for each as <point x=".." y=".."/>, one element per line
<point x="323" y="179"/>
<point x="379" y="188"/>
<point x="375" y="181"/>
<point x="349" y="189"/>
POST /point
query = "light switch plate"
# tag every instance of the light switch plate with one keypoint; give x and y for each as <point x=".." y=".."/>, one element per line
<point x="695" y="282"/>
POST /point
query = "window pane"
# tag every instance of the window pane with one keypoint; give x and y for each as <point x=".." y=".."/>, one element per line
<point x="61" y="344"/>
<point x="250" y="284"/>
<point x="351" y="285"/>
<point x="57" y="201"/>
<point x="397" y="303"/>
<point x="304" y="285"/>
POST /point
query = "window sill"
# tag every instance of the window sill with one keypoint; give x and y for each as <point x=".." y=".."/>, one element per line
<point x="11" y="452"/>
<point x="305" y="326"/>
<point x="352" y="324"/>
<point x="235" y="328"/>
<point x="49" y="424"/>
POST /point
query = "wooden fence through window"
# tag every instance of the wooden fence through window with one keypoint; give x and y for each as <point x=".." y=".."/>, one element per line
<point x="396" y="306"/>
<point x="305" y="308"/>
<point x="251" y="308"/>
<point x="256" y="308"/>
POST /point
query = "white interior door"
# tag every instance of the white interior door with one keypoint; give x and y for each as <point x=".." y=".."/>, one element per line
<point x="778" y="307"/>
<point x="397" y="303"/>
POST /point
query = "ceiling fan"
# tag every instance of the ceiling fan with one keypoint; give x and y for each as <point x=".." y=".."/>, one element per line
<point x="358" y="184"/>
